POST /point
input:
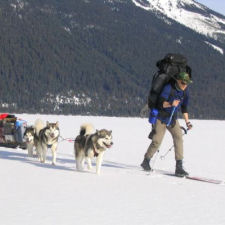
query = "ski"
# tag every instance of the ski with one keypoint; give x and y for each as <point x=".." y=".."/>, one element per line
<point x="195" y="178"/>
<point x="207" y="180"/>
<point x="168" y="173"/>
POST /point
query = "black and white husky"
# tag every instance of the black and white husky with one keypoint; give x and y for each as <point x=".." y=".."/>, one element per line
<point x="46" y="137"/>
<point x="90" y="144"/>
<point x="29" y="136"/>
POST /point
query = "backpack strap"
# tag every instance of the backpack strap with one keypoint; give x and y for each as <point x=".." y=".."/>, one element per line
<point x="172" y="92"/>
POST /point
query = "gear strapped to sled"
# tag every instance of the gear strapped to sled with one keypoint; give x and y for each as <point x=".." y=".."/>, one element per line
<point x="12" y="131"/>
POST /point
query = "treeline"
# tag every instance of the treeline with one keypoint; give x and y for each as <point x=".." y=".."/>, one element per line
<point x="104" y="51"/>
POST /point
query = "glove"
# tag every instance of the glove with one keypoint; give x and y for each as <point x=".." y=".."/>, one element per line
<point x="189" y="125"/>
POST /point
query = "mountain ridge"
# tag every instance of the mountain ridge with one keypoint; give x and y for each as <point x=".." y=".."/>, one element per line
<point x="189" y="13"/>
<point x="98" y="57"/>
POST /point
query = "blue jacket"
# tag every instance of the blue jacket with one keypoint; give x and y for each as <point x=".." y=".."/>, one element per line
<point x="170" y="93"/>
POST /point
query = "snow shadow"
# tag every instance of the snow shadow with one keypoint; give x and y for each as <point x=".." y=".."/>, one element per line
<point x="107" y="163"/>
<point x="22" y="157"/>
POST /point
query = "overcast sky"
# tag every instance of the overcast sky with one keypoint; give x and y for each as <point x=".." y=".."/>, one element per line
<point x="216" y="5"/>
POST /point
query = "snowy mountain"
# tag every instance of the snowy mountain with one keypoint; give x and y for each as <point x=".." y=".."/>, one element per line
<point x="189" y="13"/>
<point x="98" y="57"/>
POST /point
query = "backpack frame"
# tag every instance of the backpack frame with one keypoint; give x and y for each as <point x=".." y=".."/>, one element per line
<point x="168" y="68"/>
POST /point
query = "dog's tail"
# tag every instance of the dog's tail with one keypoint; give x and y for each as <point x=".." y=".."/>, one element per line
<point x="87" y="129"/>
<point x="38" y="125"/>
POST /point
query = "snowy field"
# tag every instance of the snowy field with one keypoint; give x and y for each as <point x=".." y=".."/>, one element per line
<point x="41" y="194"/>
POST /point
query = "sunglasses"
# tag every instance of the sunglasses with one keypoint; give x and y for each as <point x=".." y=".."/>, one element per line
<point x="183" y="83"/>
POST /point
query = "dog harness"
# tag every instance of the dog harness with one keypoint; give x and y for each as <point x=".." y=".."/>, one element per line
<point x="95" y="152"/>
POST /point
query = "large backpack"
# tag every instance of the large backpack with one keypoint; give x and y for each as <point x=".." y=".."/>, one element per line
<point x="168" y="68"/>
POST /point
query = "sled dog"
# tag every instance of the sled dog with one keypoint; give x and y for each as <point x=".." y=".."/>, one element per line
<point x="89" y="144"/>
<point x="29" y="136"/>
<point x="46" y="137"/>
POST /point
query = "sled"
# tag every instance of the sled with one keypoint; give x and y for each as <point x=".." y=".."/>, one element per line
<point x="12" y="131"/>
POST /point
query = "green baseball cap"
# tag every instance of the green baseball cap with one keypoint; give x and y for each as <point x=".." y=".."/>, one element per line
<point x="184" y="77"/>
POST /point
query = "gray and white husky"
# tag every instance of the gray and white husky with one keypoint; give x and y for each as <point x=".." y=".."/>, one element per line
<point x="29" y="136"/>
<point x="46" y="137"/>
<point x="90" y="144"/>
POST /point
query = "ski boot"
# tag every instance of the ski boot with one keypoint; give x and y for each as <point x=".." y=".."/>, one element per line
<point x="146" y="164"/>
<point x="180" y="172"/>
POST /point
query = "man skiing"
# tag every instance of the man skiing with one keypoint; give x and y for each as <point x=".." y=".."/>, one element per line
<point x="173" y="96"/>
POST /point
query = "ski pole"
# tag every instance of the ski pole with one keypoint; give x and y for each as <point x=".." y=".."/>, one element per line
<point x="164" y="156"/>
<point x="171" y="116"/>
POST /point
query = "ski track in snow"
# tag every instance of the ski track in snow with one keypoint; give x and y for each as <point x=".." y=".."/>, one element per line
<point x="123" y="194"/>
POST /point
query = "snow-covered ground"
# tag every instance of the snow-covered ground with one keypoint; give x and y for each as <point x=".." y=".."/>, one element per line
<point x="41" y="194"/>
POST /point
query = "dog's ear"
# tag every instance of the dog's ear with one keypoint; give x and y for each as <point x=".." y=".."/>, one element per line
<point x="110" y="132"/>
<point x="47" y="123"/>
<point x="57" y="124"/>
<point x="97" y="132"/>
